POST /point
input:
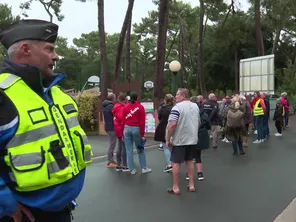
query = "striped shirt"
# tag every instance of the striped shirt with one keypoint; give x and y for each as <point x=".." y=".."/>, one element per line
<point x="186" y="114"/>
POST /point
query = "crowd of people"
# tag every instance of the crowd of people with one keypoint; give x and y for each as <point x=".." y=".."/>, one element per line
<point x="124" y="121"/>
<point x="44" y="151"/>
<point x="186" y="125"/>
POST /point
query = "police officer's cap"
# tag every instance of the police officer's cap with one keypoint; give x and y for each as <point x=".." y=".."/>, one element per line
<point x="29" y="29"/>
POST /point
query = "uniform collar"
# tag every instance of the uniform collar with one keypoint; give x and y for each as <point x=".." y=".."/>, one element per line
<point x="31" y="75"/>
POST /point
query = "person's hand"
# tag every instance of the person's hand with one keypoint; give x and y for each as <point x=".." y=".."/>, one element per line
<point x="143" y="138"/>
<point x="168" y="143"/>
<point x="20" y="210"/>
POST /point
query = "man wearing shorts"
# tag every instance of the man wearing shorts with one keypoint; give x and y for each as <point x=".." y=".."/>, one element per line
<point x="181" y="136"/>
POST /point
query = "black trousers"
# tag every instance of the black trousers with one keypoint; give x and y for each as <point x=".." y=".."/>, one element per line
<point x="42" y="216"/>
<point x="278" y="126"/>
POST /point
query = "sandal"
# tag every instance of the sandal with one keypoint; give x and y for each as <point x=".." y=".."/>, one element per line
<point x="190" y="190"/>
<point x="171" y="191"/>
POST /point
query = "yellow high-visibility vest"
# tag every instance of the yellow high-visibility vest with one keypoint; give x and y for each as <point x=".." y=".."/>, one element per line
<point x="49" y="146"/>
<point x="258" y="111"/>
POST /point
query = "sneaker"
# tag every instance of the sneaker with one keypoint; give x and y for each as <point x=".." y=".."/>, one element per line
<point x="200" y="176"/>
<point x="168" y="169"/>
<point x="160" y="148"/>
<point x="227" y="141"/>
<point x="111" y="165"/>
<point x="224" y="140"/>
<point x="257" y="141"/>
<point x="187" y="177"/>
<point x="146" y="170"/>
<point x="242" y="152"/>
<point x="255" y="132"/>
<point x="133" y="171"/>
<point x="118" y="169"/>
<point x="125" y="169"/>
<point x="278" y="134"/>
<point x="160" y="145"/>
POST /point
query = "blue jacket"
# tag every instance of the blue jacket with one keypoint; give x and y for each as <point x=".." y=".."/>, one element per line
<point x="107" y="107"/>
<point x="50" y="199"/>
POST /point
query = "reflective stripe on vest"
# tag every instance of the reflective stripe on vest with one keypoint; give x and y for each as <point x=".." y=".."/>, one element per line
<point x="49" y="146"/>
<point x="40" y="133"/>
<point x="43" y="132"/>
<point x="258" y="111"/>
<point x="8" y="81"/>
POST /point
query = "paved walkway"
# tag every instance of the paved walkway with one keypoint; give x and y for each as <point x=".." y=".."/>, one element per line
<point x="100" y="145"/>
<point x="256" y="187"/>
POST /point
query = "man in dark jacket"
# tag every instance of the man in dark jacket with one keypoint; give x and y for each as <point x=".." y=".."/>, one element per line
<point x="266" y="116"/>
<point x="223" y="120"/>
<point x="211" y="108"/>
<point x="107" y="107"/>
<point x="160" y="106"/>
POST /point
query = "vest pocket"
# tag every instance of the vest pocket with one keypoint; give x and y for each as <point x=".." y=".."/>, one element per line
<point x="82" y="149"/>
<point x="28" y="169"/>
<point x="55" y="168"/>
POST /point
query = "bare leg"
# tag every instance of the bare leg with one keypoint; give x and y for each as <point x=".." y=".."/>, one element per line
<point x="245" y="141"/>
<point x="199" y="167"/>
<point x="190" y="167"/>
<point x="176" y="177"/>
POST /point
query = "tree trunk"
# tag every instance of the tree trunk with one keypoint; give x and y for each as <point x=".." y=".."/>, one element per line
<point x="125" y="24"/>
<point x="171" y="46"/>
<point x="47" y="7"/>
<point x="236" y="73"/>
<point x="128" y="50"/>
<point x="275" y="41"/>
<point x="103" y="51"/>
<point x="184" y="76"/>
<point x="161" y="48"/>
<point x="181" y="59"/>
<point x="200" y="76"/>
<point x="259" y="38"/>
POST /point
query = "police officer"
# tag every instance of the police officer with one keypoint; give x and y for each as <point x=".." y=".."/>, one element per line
<point x="43" y="149"/>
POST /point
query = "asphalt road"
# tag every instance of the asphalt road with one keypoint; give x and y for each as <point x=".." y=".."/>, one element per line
<point x="100" y="144"/>
<point x="251" y="188"/>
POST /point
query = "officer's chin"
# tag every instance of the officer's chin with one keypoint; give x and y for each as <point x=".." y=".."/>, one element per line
<point x="47" y="74"/>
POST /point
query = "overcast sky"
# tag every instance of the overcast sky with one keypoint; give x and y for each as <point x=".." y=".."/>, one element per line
<point x="82" y="17"/>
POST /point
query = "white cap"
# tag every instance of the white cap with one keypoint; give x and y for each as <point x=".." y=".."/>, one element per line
<point x="242" y="97"/>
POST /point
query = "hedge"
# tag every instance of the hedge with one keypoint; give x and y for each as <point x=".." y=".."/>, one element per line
<point x="88" y="104"/>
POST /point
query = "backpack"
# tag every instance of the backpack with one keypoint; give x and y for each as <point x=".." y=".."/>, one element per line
<point x="234" y="119"/>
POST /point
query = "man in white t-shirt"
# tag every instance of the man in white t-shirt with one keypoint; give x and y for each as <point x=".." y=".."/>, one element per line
<point x="182" y="137"/>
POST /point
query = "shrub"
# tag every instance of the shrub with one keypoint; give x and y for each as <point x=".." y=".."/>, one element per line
<point x="88" y="106"/>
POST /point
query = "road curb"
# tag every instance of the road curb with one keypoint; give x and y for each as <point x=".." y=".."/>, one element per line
<point x="102" y="158"/>
<point x="288" y="214"/>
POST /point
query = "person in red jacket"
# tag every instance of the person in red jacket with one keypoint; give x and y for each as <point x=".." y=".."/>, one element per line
<point x="134" y="131"/>
<point x="118" y="120"/>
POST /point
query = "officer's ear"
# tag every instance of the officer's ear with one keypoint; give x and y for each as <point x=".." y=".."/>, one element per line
<point x="25" y="49"/>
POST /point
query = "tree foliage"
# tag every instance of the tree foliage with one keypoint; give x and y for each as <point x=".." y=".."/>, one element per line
<point x="6" y="18"/>
<point x="229" y="34"/>
<point x="52" y="8"/>
<point x="88" y="107"/>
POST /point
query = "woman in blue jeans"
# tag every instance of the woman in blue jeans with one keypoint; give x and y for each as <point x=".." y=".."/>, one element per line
<point x="163" y="116"/>
<point x="134" y="131"/>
